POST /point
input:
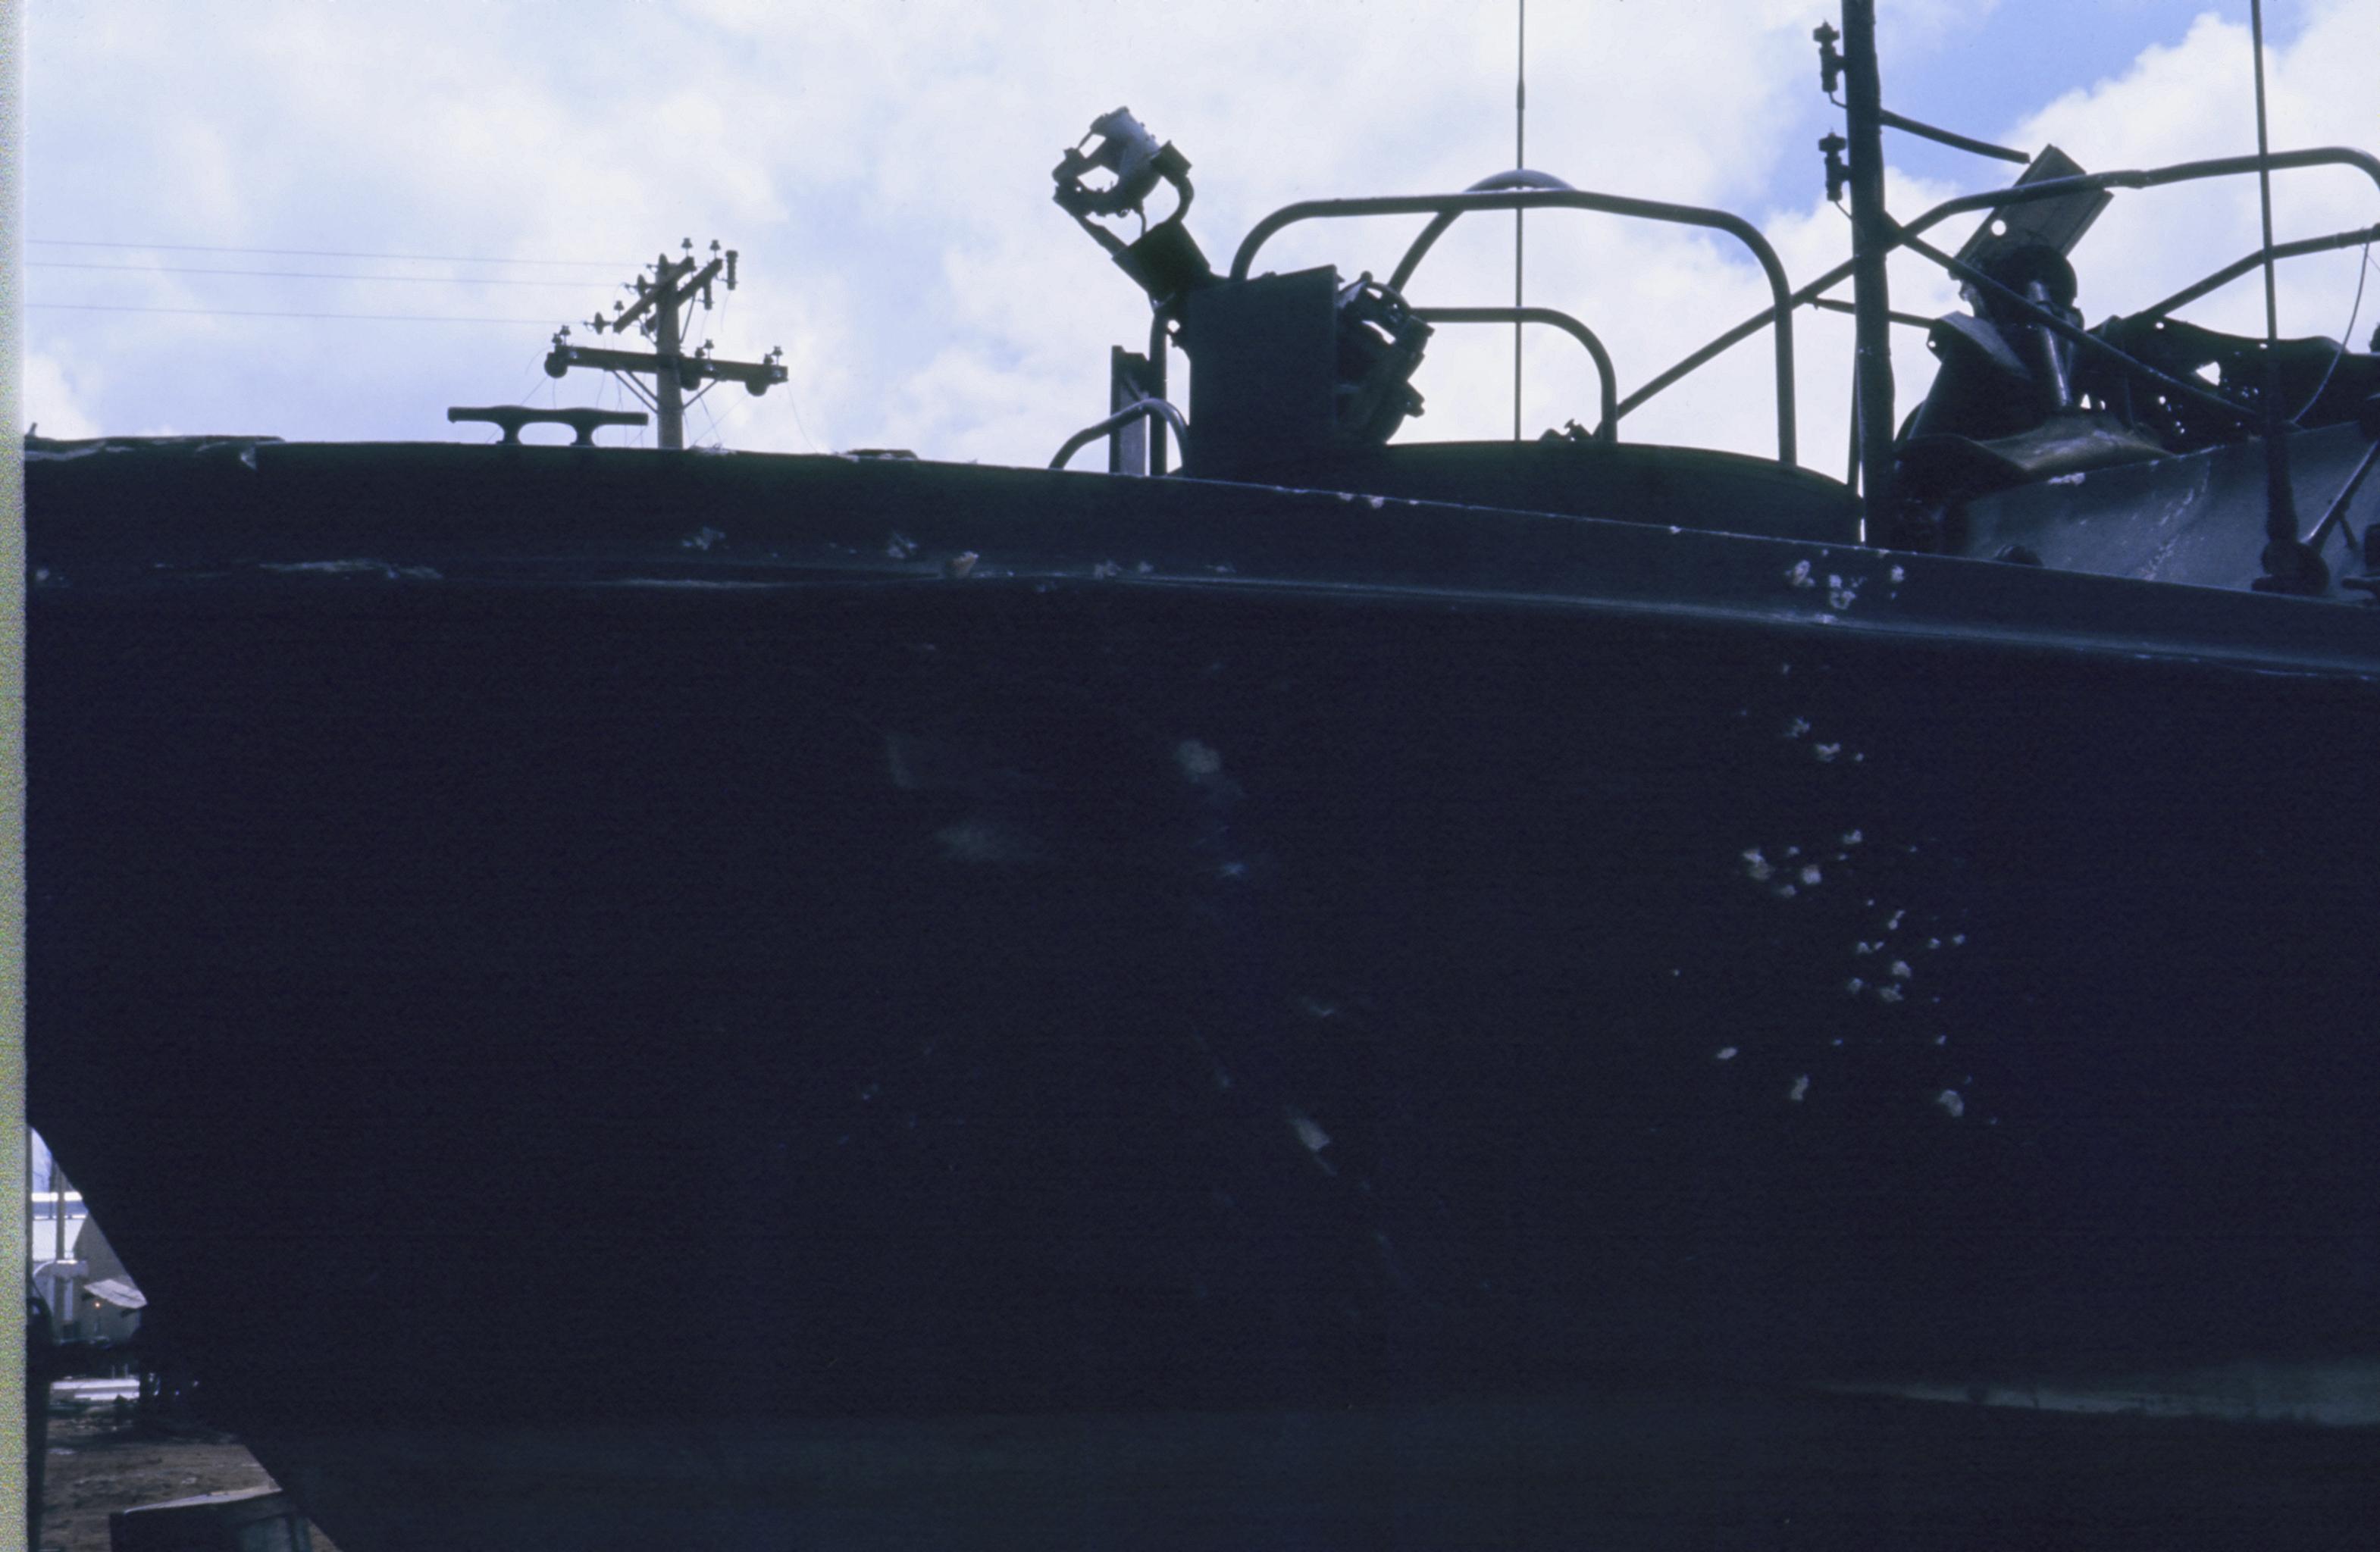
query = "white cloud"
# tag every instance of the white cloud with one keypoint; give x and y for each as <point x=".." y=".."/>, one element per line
<point x="883" y="170"/>
<point x="2194" y="99"/>
<point x="52" y="404"/>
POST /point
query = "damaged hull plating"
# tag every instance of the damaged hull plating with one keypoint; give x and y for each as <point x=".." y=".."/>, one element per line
<point x="879" y="945"/>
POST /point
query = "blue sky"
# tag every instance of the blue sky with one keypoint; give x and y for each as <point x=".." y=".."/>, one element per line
<point x="883" y="170"/>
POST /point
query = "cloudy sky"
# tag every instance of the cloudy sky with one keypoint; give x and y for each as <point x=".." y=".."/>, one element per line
<point x="332" y="219"/>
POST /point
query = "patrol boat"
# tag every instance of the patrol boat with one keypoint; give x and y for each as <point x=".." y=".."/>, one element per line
<point x="1346" y="993"/>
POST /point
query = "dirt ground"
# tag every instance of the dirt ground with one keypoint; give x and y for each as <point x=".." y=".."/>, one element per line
<point x="98" y="1464"/>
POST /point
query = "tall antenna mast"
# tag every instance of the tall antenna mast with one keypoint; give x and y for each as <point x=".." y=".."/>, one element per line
<point x="1872" y="239"/>
<point x="1521" y="158"/>
<point x="2289" y="564"/>
<point x="2265" y="185"/>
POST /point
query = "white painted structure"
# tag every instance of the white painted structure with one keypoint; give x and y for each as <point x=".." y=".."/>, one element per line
<point x="72" y="1266"/>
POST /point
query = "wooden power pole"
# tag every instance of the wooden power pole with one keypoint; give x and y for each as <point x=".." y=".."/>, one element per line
<point x="673" y="283"/>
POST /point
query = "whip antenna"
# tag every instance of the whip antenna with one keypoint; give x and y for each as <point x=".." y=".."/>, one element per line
<point x="2290" y="565"/>
<point x="1520" y="159"/>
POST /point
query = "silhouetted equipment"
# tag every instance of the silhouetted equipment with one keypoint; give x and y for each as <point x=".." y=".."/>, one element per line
<point x="2056" y="224"/>
<point x="1287" y="364"/>
<point x="1304" y="378"/>
<point x="1164" y="261"/>
<point x="675" y="282"/>
<point x="2025" y="393"/>
<point x="512" y="417"/>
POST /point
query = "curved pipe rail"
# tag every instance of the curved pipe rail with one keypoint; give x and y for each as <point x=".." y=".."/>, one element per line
<point x="2337" y="512"/>
<point x="1452" y="205"/>
<point x="1519" y="177"/>
<point x="1909" y="320"/>
<point x="2230" y="272"/>
<point x="2155" y="177"/>
<point x="2048" y="188"/>
<point x="1124" y="417"/>
<point x="1608" y="430"/>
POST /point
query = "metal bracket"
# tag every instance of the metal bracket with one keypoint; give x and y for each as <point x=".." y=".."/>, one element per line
<point x="512" y="417"/>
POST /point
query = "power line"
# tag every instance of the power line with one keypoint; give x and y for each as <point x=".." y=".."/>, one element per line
<point x="535" y="370"/>
<point x="319" y="253"/>
<point x="809" y="440"/>
<point x="294" y="274"/>
<point x="234" y="312"/>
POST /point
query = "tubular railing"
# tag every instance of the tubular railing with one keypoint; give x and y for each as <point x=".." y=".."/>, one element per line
<point x="1156" y="409"/>
<point x="2232" y="271"/>
<point x="1519" y="177"/>
<point x="1528" y="191"/>
<point x="2048" y="188"/>
<point x="1448" y="208"/>
<point x="1608" y="428"/>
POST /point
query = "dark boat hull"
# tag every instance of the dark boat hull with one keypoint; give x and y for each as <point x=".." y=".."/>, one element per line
<point x="750" y="972"/>
<point x="1627" y="1467"/>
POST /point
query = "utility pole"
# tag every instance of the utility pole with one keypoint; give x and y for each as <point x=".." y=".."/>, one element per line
<point x="675" y="282"/>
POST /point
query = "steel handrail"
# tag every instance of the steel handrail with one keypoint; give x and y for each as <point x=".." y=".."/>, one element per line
<point x="2181" y="172"/>
<point x="1124" y="417"/>
<point x="1609" y="428"/>
<point x="1453" y="205"/>
<point x="1518" y="177"/>
<point x="2232" y="271"/>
